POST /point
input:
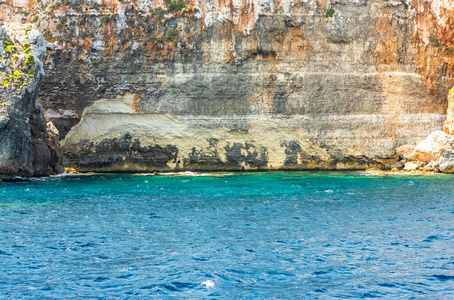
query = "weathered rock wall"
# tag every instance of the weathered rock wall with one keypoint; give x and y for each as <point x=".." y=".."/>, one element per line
<point x="27" y="145"/>
<point x="357" y="85"/>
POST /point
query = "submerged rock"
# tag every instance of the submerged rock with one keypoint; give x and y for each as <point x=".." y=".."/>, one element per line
<point x="28" y="147"/>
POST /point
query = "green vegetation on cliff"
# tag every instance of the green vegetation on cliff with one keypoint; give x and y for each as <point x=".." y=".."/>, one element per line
<point x="17" y="66"/>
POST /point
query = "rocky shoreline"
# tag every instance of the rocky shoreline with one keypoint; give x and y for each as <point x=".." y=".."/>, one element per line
<point x="143" y="86"/>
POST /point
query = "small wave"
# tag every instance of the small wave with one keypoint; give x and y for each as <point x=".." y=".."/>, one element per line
<point x="62" y="176"/>
<point x="46" y="178"/>
<point x="24" y="204"/>
<point x="183" y="174"/>
<point x="322" y="272"/>
<point x="145" y="174"/>
<point x="172" y="286"/>
<point x="193" y="174"/>
<point x="16" y="179"/>
<point x="444" y="277"/>
<point x="431" y="238"/>
<point x="101" y="279"/>
<point x="371" y="294"/>
<point x="5" y="253"/>
<point x="208" y="283"/>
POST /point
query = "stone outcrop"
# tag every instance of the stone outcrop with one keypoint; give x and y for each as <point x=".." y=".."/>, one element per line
<point x="433" y="147"/>
<point x="27" y="145"/>
<point x="412" y="166"/>
<point x="113" y="136"/>
<point x="435" y="153"/>
<point x="446" y="163"/>
<point x="355" y="84"/>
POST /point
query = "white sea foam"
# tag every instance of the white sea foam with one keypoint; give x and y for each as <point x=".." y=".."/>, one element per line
<point x="55" y="177"/>
<point x="208" y="283"/>
<point x="195" y="174"/>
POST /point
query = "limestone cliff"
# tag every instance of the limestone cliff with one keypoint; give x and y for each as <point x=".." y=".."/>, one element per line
<point x="243" y="84"/>
<point x="27" y="145"/>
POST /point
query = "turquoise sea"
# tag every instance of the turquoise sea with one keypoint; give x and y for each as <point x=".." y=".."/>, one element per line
<point x="273" y="235"/>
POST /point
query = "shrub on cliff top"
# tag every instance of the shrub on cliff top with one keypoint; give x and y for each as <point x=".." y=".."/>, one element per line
<point x="7" y="42"/>
<point x="170" y="34"/>
<point x="5" y="83"/>
<point x="26" y="47"/>
<point x="8" y="46"/>
<point x="48" y="36"/>
<point x="155" y="40"/>
<point x="61" y="22"/>
<point x="17" y="75"/>
<point x="29" y="59"/>
<point x="158" y="12"/>
<point x="175" y="6"/>
<point x="329" y="13"/>
<point x="9" y="50"/>
<point x="404" y="3"/>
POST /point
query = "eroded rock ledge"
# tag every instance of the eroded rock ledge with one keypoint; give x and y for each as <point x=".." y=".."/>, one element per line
<point x="114" y="136"/>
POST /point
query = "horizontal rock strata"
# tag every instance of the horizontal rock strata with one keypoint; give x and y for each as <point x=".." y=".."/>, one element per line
<point x="354" y="80"/>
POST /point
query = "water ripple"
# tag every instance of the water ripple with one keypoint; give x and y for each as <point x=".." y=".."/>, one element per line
<point x="281" y="235"/>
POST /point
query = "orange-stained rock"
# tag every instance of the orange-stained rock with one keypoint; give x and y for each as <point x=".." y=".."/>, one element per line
<point x="449" y="124"/>
<point x="360" y="84"/>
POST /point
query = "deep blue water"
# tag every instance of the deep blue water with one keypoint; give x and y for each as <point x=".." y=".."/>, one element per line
<point x="281" y="235"/>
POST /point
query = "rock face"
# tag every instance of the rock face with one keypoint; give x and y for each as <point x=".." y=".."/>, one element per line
<point x="113" y="136"/>
<point x="446" y="163"/>
<point x="26" y="148"/>
<point x="433" y="147"/>
<point x="244" y="84"/>
<point x="436" y="152"/>
<point x="449" y="124"/>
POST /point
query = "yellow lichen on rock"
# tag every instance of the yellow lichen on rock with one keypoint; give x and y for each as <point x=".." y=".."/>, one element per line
<point x="71" y="171"/>
<point x="18" y="66"/>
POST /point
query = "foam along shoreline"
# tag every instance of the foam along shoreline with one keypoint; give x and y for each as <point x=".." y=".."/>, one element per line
<point x="49" y="178"/>
<point x="183" y="174"/>
<point x="395" y="172"/>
